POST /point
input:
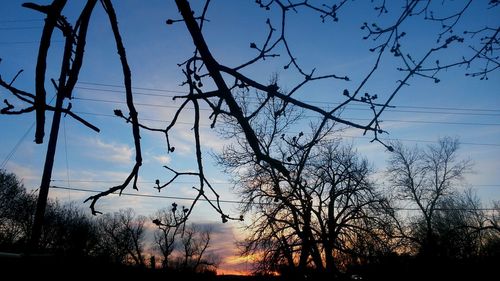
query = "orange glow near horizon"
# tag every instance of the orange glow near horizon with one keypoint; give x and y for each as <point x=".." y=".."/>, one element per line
<point x="237" y="265"/>
<point x="233" y="272"/>
<point x="241" y="259"/>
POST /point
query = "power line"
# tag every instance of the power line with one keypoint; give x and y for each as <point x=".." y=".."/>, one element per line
<point x="420" y="141"/>
<point x="254" y="203"/>
<point x="116" y="181"/>
<point x="349" y="108"/>
<point x="16" y="146"/>
<point x="309" y="101"/>
<point x="430" y="122"/>
<point x="14" y="149"/>
<point x="431" y="112"/>
<point x="135" y="103"/>
<point x="144" y="195"/>
<point x="322" y="102"/>
<point x="66" y="155"/>
<point x="139" y="88"/>
<point x="357" y="119"/>
<point x="195" y="182"/>
<point x="135" y="93"/>
<point x="345" y="136"/>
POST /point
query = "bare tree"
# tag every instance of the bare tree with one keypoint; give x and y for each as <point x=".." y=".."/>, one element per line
<point x="16" y="215"/>
<point x="387" y="34"/>
<point x="122" y="236"/>
<point x="492" y="233"/>
<point x="194" y="244"/>
<point x="312" y="219"/>
<point x="184" y="247"/>
<point x="458" y="226"/>
<point x="424" y="178"/>
<point x="495" y="216"/>
<point x="68" y="231"/>
<point x="168" y="222"/>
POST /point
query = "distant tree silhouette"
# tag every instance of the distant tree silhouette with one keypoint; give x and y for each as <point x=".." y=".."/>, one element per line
<point x="69" y="231"/>
<point x="16" y="212"/>
<point x="492" y="233"/>
<point x="458" y="218"/>
<point x="316" y="218"/>
<point x="195" y="243"/>
<point x="170" y="229"/>
<point x="214" y="83"/>
<point x="122" y="237"/>
<point x="425" y="179"/>
<point x="184" y="247"/>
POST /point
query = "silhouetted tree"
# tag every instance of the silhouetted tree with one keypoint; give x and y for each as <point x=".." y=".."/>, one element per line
<point x="69" y="231"/>
<point x="193" y="255"/>
<point x="16" y="212"/>
<point x="457" y="217"/>
<point x="170" y="229"/>
<point x="122" y="237"/>
<point x="425" y="179"/>
<point x="184" y="247"/>
<point x="315" y="218"/>
<point x="214" y="82"/>
<point x="492" y="232"/>
<point x="494" y="217"/>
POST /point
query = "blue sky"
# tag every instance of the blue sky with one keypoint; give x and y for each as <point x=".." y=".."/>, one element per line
<point x="457" y="106"/>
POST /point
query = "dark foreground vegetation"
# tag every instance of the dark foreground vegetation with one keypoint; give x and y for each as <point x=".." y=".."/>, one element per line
<point x="450" y="236"/>
<point x="314" y="209"/>
<point x="50" y="267"/>
<point x="53" y="267"/>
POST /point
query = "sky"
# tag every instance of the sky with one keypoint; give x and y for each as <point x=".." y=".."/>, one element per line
<point x="458" y="106"/>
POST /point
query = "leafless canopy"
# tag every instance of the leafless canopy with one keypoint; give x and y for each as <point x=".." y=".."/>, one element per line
<point x="385" y="39"/>
<point x="426" y="178"/>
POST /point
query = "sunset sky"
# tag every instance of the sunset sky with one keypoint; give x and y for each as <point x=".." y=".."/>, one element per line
<point x="458" y="106"/>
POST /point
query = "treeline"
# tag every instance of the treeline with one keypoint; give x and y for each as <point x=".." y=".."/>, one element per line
<point x="330" y="218"/>
<point x="327" y="219"/>
<point x="113" y="240"/>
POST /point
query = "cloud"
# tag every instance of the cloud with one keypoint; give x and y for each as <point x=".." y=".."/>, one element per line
<point x="209" y="139"/>
<point x="223" y="244"/>
<point x="29" y="175"/>
<point x="112" y="152"/>
<point x="162" y="159"/>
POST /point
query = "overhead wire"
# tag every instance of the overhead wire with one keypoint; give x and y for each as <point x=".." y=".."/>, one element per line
<point x="340" y="135"/>
<point x="351" y="118"/>
<point x="66" y="156"/>
<point x="350" y="108"/>
<point x="308" y="101"/>
<point x="16" y="146"/>
<point x="184" y="92"/>
<point x="251" y="203"/>
<point x="196" y="182"/>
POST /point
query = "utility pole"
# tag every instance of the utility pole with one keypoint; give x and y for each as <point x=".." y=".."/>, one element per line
<point x="46" y="176"/>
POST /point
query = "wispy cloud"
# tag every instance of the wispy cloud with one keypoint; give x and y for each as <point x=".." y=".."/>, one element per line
<point x="223" y="243"/>
<point x="162" y="159"/>
<point x="29" y="175"/>
<point x="208" y="139"/>
<point x="112" y="152"/>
